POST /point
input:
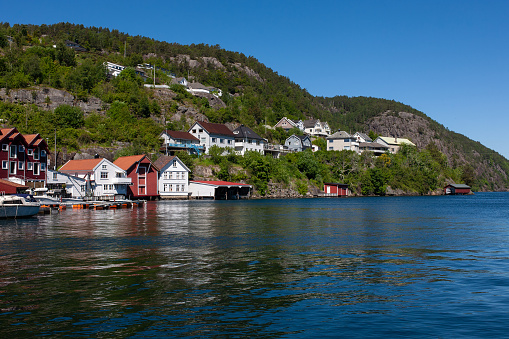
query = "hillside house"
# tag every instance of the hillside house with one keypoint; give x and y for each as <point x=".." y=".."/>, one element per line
<point x="361" y="137"/>
<point x="24" y="158"/>
<point x="316" y="128"/>
<point x="143" y="174"/>
<point x="286" y="124"/>
<point x="179" y="81"/>
<point x="247" y="140"/>
<point x="211" y="134"/>
<point x="180" y="141"/>
<point x="196" y="87"/>
<point x="173" y="178"/>
<point x="340" y="141"/>
<point x="104" y="180"/>
<point x="394" y="144"/>
<point x="374" y="147"/>
<point x="298" y="143"/>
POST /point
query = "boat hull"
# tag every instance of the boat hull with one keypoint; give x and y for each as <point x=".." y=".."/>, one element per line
<point x="18" y="211"/>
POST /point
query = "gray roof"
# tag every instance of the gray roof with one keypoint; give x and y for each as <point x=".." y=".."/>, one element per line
<point x="365" y="137"/>
<point x="310" y="123"/>
<point x="246" y="132"/>
<point x="339" y="135"/>
<point x="372" y="144"/>
<point x="459" y="186"/>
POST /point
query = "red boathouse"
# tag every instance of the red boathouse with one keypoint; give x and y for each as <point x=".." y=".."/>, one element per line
<point x="335" y="189"/>
<point x="143" y="175"/>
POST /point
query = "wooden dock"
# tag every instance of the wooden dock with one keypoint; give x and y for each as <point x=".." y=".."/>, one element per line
<point x="90" y="205"/>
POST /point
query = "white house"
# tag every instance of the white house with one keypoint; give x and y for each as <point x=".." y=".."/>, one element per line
<point x="247" y="140"/>
<point x="361" y="137"/>
<point x="340" y="141"/>
<point x="180" y="141"/>
<point x="173" y="178"/>
<point x="211" y="134"/>
<point x="74" y="186"/>
<point x="394" y="144"/>
<point x="104" y="180"/>
<point x="316" y="128"/>
<point x="298" y="143"/>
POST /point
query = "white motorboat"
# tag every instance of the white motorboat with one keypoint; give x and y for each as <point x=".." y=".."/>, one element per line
<point x="12" y="206"/>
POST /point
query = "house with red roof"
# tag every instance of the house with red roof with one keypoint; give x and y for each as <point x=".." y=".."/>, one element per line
<point x="180" y="141"/>
<point x="173" y="178"/>
<point x="23" y="158"/>
<point x="103" y="179"/>
<point x="219" y="190"/>
<point x="143" y="174"/>
<point x="211" y="134"/>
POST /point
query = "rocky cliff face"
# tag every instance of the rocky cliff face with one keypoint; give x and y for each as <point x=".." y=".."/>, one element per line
<point x="422" y="131"/>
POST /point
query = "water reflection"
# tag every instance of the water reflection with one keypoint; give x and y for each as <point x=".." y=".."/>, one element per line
<point x="256" y="268"/>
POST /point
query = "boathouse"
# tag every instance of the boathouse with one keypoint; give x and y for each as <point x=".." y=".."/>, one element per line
<point x="9" y="187"/>
<point x="219" y="190"/>
<point x="457" y="189"/>
<point x="335" y="189"/>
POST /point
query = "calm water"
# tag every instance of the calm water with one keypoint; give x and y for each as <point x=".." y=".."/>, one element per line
<point x="357" y="267"/>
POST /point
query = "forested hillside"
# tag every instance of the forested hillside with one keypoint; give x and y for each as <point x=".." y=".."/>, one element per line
<point x="49" y="88"/>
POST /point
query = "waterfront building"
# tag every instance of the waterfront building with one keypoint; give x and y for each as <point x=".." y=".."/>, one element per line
<point x="219" y="190"/>
<point x="247" y="140"/>
<point x="144" y="176"/>
<point x="103" y="179"/>
<point x="173" y="180"/>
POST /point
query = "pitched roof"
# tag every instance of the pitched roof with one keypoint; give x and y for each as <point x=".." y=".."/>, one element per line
<point x="372" y="144"/>
<point x="181" y="135"/>
<point x="163" y="161"/>
<point x="397" y="141"/>
<point x="13" y="184"/>
<point x="218" y="129"/>
<point x="459" y="186"/>
<point x="30" y="138"/>
<point x="81" y="165"/>
<point x="246" y="132"/>
<point x="310" y="123"/>
<point x="364" y="136"/>
<point x="339" y="135"/>
<point x="127" y="162"/>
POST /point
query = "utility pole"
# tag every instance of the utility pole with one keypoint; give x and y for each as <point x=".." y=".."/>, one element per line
<point x="55" y="166"/>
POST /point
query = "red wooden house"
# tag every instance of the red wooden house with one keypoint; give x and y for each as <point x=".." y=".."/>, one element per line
<point x="143" y="175"/>
<point x="457" y="189"/>
<point x="335" y="189"/>
<point x="23" y="158"/>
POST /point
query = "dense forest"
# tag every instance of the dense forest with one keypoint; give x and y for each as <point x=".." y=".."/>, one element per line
<point x="132" y="116"/>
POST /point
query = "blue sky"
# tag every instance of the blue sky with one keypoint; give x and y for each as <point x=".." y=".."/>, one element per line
<point x="448" y="59"/>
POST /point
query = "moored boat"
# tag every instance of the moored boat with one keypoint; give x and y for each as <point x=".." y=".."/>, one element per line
<point x="12" y="206"/>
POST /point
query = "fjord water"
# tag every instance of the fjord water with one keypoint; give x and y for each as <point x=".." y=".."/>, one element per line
<point x="363" y="267"/>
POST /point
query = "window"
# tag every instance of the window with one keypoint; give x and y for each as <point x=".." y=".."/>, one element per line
<point x="171" y="188"/>
<point x="21" y="165"/>
<point x="104" y="175"/>
<point x="165" y="187"/>
<point x="221" y="141"/>
<point x="43" y="166"/>
<point x="174" y="163"/>
<point x="36" y="168"/>
<point x="5" y="147"/>
<point x="30" y="166"/>
<point x="103" y="167"/>
<point x="43" y="153"/>
<point x="214" y="139"/>
<point x="177" y="188"/>
<point x="118" y="175"/>
<point x="182" y="189"/>
<point x="21" y="148"/>
<point x="166" y="175"/>
<point x="30" y="151"/>
<point x="55" y="176"/>
<point x="36" y="154"/>
<point x="200" y="130"/>
<point x="229" y="142"/>
<point x="13" y="151"/>
<point x="5" y="164"/>
<point x="83" y="187"/>
<point x="331" y="148"/>
<point x="194" y="131"/>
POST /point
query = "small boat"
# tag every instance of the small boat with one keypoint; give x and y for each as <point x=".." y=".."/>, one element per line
<point x="13" y="206"/>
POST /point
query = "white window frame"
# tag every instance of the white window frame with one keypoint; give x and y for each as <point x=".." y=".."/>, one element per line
<point x="55" y="176"/>
<point x="21" y="148"/>
<point x="21" y="165"/>
<point x="12" y="154"/>
<point x="36" y="169"/>
<point x="30" y="152"/>
<point x="36" y="154"/>
<point x="5" y="164"/>
<point x="43" y="166"/>
<point x="5" y="147"/>
<point x="30" y="166"/>
<point x="104" y="175"/>
<point x="104" y="167"/>
<point x="43" y="153"/>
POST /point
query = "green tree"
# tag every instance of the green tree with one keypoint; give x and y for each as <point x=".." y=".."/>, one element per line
<point x="65" y="116"/>
<point x="65" y="55"/>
